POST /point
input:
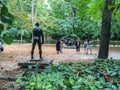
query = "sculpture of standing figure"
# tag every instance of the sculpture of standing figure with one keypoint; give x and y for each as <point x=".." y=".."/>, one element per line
<point x="38" y="38"/>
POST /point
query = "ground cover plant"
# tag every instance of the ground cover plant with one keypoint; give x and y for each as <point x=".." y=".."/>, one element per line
<point x="99" y="75"/>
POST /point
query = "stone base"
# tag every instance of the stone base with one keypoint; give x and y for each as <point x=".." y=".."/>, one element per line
<point x="37" y="59"/>
<point x="41" y="63"/>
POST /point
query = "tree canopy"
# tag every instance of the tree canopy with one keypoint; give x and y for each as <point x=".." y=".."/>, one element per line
<point x="78" y="18"/>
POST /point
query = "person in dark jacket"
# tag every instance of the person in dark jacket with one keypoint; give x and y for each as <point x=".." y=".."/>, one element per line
<point x="77" y="44"/>
<point x="38" y="38"/>
<point x="58" y="46"/>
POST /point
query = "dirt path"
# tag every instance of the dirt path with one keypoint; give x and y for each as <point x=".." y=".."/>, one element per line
<point x="16" y="52"/>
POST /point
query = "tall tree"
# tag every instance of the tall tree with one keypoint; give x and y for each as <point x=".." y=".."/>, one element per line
<point x="34" y="11"/>
<point x="105" y="29"/>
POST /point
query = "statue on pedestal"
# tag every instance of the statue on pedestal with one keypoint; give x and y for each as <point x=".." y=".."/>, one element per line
<point x="38" y="38"/>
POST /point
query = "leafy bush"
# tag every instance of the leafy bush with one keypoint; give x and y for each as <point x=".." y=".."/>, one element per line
<point x="56" y="35"/>
<point x="97" y="42"/>
<point x="100" y="75"/>
<point x="114" y="42"/>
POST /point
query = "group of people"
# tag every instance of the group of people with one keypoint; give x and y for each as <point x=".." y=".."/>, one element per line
<point x="87" y="46"/>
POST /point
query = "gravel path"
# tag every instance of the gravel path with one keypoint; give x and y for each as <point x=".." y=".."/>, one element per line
<point x="16" y="53"/>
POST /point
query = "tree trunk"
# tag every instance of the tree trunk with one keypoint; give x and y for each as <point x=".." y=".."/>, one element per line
<point x="21" y="36"/>
<point x="105" y="30"/>
<point x="36" y="10"/>
<point x="32" y="12"/>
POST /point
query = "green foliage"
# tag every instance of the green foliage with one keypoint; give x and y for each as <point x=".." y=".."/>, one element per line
<point x="99" y="75"/>
<point x="24" y="32"/>
<point x="1" y="27"/>
<point x="115" y="29"/>
<point x="114" y="42"/>
<point x="97" y="42"/>
<point x="87" y="18"/>
<point x="6" y="17"/>
<point x="7" y="37"/>
<point x="70" y="18"/>
<point x="60" y="17"/>
<point x="74" y="36"/>
<point x="5" y="22"/>
<point x="4" y="10"/>
<point x="56" y="35"/>
<point x="12" y="33"/>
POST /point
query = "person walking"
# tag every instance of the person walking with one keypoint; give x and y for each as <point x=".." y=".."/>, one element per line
<point x="77" y="44"/>
<point x="88" y="47"/>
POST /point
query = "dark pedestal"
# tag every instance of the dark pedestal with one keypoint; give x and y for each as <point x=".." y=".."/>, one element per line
<point x="36" y="61"/>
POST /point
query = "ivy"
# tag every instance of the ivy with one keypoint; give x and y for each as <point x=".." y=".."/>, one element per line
<point x="99" y="75"/>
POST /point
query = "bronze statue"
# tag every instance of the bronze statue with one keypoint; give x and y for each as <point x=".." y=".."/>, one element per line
<point x="38" y="38"/>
